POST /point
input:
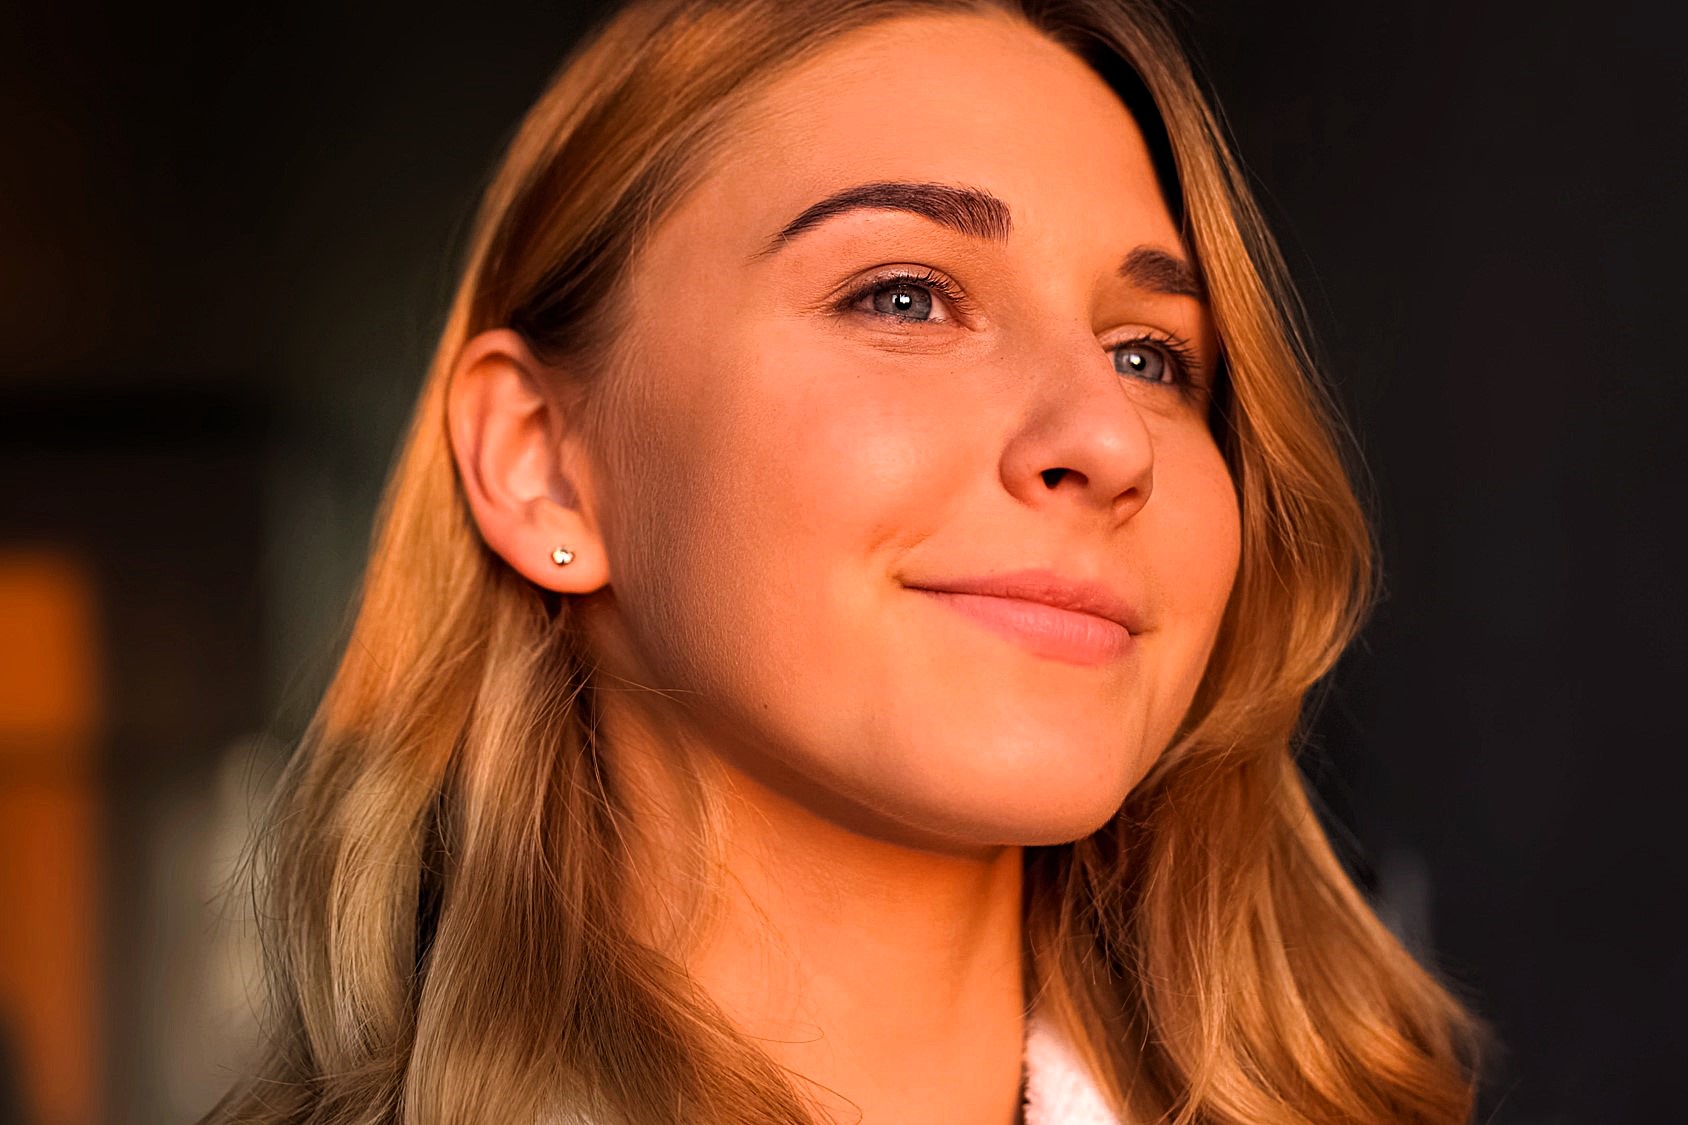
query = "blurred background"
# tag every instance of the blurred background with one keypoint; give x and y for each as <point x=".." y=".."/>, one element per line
<point x="226" y="242"/>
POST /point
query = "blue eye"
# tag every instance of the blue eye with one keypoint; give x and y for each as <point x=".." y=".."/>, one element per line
<point x="1166" y="360"/>
<point x="906" y="297"/>
<point x="1142" y="362"/>
<point x="912" y="302"/>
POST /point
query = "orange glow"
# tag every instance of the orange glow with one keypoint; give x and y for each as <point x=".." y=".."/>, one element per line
<point x="49" y="831"/>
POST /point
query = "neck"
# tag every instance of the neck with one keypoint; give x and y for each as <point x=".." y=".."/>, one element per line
<point x="886" y="979"/>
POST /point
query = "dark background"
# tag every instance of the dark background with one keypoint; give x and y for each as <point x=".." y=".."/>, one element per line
<point x="227" y="238"/>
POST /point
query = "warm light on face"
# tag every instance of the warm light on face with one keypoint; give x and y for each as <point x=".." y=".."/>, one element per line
<point x="924" y="521"/>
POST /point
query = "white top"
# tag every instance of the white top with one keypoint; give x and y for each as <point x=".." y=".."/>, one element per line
<point x="1059" y="1090"/>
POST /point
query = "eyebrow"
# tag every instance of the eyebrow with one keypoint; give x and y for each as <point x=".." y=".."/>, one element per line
<point x="1151" y="268"/>
<point x="977" y="213"/>
<point x="970" y="211"/>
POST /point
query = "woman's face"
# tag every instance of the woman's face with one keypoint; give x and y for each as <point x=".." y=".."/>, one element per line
<point x="981" y="372"/>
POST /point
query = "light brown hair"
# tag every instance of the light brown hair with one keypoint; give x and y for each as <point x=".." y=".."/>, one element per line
<point x="444" y="940"/>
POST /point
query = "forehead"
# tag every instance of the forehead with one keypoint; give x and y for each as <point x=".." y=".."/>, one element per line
<point x="977" y="100"/>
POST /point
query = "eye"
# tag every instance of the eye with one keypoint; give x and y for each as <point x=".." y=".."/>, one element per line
<point x="1154" y="359"/>
<point x="905" y="297"/>
<point x="911" y="301"/>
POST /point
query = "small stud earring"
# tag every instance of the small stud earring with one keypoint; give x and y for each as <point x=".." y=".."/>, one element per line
<point x="562" y="556"/>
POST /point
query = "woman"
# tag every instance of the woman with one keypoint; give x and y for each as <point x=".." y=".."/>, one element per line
<point x="840" y="617"/>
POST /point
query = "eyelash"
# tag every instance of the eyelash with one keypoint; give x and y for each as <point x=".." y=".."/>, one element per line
<point x="930" y="279"/>
<point x="1179" y="353"/>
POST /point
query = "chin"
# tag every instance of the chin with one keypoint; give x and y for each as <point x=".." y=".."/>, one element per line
<point x="1043" y="788"/>
<point x="1055" y="821"/>
<point x="1035" y="807"/>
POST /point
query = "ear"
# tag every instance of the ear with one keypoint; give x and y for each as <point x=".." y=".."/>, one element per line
<point x="523" y="467"/>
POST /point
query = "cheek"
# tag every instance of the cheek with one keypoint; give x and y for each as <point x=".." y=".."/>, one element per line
<point x="801" y="444"/>
<point x="1200" y="533"/>
<point x="765" y="474"/>
<point x="1209" y="522"/>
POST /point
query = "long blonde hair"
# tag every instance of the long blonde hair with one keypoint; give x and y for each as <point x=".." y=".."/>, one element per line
<point x="438" y="877"/>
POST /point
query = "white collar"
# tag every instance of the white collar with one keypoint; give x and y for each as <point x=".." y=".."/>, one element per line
<point x="1059" y="1089"/>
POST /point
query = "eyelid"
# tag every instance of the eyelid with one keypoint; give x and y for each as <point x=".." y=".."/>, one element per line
<point x="1182" y="353"/>
<point x="1135" y="333"/>
<point x="916" y="277"/>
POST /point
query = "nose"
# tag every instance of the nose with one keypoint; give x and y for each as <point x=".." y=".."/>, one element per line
<point x="1082" y="440"/>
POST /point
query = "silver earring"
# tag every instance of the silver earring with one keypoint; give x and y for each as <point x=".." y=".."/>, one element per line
<point x="562" y="556"/>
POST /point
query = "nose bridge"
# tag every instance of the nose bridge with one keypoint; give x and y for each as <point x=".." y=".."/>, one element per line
<point x="1077" y="418"/>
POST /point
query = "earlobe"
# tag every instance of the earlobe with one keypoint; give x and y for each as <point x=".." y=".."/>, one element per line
<point x="511" y="443"/>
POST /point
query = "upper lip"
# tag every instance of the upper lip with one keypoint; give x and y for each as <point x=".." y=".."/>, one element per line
<point x="1047" y="587"/>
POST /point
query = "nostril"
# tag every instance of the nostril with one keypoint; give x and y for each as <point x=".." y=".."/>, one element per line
<point x="1052" y="477"/>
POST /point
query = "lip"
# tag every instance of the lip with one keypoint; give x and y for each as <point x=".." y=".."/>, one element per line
<point x="1062" y="618"/>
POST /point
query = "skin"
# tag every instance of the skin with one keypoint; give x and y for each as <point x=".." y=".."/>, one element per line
<point x="777" y="477"/>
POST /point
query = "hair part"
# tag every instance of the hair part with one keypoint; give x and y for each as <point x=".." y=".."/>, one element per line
<point x="444" y="932"/>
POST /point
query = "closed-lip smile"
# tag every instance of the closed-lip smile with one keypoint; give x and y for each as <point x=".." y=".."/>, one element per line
<point x="1047" y="587"/>
<point x="1067" y="619"/>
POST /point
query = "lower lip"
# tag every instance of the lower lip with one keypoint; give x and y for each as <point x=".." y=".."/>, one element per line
<point x="1059" y="634"/>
